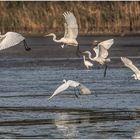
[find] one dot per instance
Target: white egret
(87, 63)
(101, 51)
(70, 83)
(11, 39)
(71, 32)
(128, 63)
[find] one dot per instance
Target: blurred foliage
(37, 17)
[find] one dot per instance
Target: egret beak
(84, 52)
(46, 35)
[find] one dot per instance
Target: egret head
(95, 43)
(64, 81)
(51, 34)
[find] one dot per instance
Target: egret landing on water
(71, 32)
(101, 51)
(11, 39)
(128, 63)
(70, 83)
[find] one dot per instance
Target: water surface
(27, 79)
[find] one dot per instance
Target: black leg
(95, 94)
(26, 46)
(78, 52)
(76, 93)
(105, 70)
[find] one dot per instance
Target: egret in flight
(11, 39)
(87, 63)
(71, 32)
(128, 63)
(101, 51)
(70, 83)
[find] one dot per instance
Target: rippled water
(27, 79)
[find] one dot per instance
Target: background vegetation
(93, 17)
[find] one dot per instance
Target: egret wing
(128, 63)
(10, 39)
(66, 30)
(73, 83)
(59, 89)
(71, 24)
(102, 52)
(84, 90)
(107, 43)
(96, 50)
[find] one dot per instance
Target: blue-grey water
(27, 79)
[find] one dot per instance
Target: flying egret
(128, 63)
(87, 63)
(71, 32)
(11, 39)
(101, 51)
(70, 83)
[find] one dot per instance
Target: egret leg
(105, 70)
(78, 52)
(26, 46)
(95, 94)
(76, 93)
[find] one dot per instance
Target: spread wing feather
(72, 26)
(128, 63)
(10, 39)
(103, 52)
(59, 89)
(107, 43)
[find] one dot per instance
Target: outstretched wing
(73, 83)
(72, 26)
(107, 43)
(84, 90)
(103, 53)
(59, 89)
(66, 35)
(102, 49)
(10, 39)
(128, 63)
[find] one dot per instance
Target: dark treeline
(39, 17)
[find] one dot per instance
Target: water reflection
(66, 129)
(137, 133)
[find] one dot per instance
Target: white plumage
(10, 39)
(70, 83)
(128, 63)
(87, 63)
(101, 52)
(71, 30)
